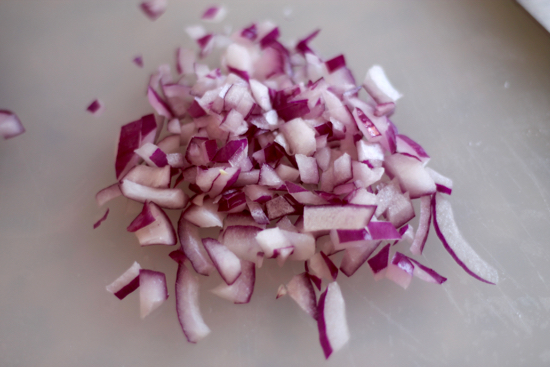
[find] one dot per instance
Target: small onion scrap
(277, 149)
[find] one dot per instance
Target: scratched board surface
(476, 86)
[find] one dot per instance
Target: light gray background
(476, 84)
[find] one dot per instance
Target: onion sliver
(152, 291)
(332, 323)
(187, 305)
(10, 125)
(456, 245)
(191, 245)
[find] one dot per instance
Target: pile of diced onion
(277, 149)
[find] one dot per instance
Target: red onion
(10, 125)
(214, 14)
(277, 149)
(102, 219)
(301, 291)
(95, 108)
(152, 291)
(187, 305)
(126, 283)
(333, 328)
(138, 60)
(154, 8)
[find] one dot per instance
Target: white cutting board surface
(476, 82)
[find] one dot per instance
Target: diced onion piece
(300, 136)
(379, 262)
(107, 194)
(301, 291)
(157, 177)
(355, 256)
(443, 184)
(158, 232)
(204, 216)
(192, 247)
(379, 87)
(126, 283)
(167, 198)
(214, 14)
(228, 265)
(271, 240)
(152, 291)
(241, 290)
(10, 125)
(400, 270)
(154, 8)
(187, 305)
(281, 291)
(332, 323)
(96, 107)
(138, 60)
(412, 176)
(426, 274)
(337, 217)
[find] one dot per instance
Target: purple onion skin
(380, 261)
(128, 288)
(321, 324)
(103, 218)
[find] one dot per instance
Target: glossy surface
(476, 86)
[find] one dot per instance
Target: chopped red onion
(355, 256)
(281, 291)
(154, 8)
(157, 232)
(400, 270)
(95, 108)
(158, 177)
(228, 265)
(268, 134)
(102, 219)
(187, 305)
(331, 321)
(143, 219)
(301, 291)
(337, 217)
(138, 60)
(152, 291)
(204, 216)
(379, 262)
(378, 86)
(241, 240)
(335, 63)
(10, 125)
(241, 290)
(167, 198)
(107, 194)
(456, 245)
(191, 245)
(126, 283)
(442, 183)
(214, 14)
